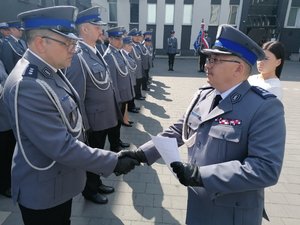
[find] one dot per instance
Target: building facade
(262, 20)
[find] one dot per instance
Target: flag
(200, 42)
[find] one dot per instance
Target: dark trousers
(202, 61)
(58, 215)
(7, 145)
(96, 139)
(137, 88)
(171, 60)
(131, 104)
(145, 80)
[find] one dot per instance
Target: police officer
(147, 62)
(235, 136)
(89, 75)
(137, 55)
(132, 66)
(172, 49)
(49, 161)
(4, 31)
(119, 71)
(7, 141)
(13, 46)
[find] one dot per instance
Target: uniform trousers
(96, 139)
(145, 80)
(7, 146)
(202, 61)
(58, 215)
(131, 104)
(137, 88)
(171, 60)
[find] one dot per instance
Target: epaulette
(31, 71)
(262, 92)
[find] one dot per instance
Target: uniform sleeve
(262, 165)
(42, 127)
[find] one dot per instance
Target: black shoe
(169, 69)
(137, 108)
(126, 124)
(96, 198)
(104, 189)
(140, 98)
(131, 122)
(146, 89)
(172, 69)
(134, 110)
(124, 144)
(117, 149)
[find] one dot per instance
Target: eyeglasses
(218, 61)
(71, 47)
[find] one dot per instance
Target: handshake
(127, 160)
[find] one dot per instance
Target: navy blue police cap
(133, 32)
(172, 32)
(59, 19)
(148, 39)
(116, 32)
(91, 15)
(3, 25)
(127, 40)
(15, 24)
(231, 41)
(148, 32)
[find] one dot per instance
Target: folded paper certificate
(167, 148)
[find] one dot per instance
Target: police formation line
(67, 93)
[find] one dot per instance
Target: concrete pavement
(151, 195)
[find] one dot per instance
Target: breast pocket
(226, 133)
(70, 109)
(98, 71)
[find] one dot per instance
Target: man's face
(5, 31)
(59, 50)
(116, 42)
(222, 71)
(17, 33)
(92, 32)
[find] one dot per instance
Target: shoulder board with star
(31, 71)
(262, 92)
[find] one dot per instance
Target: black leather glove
(126, 162)
(140, 155)
(188, 174)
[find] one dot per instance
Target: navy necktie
(215, 102)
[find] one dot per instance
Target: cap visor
(215, 51)
(99, 23)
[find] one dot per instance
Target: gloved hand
(140, 155)
(188, 174)
(126, 162)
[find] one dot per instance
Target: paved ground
(151, 195)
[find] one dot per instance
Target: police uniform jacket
(132, 68)
(121, 81)
(101, 48)
(145, 57)
(136, 54)
(172, 45)
(46, 138)
(4, 122)
(11, 52)
(95, 89)
(238, 147)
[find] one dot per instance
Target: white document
(167, 148)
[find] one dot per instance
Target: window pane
(214, 14)
(232, 14)
(292, 17)
(113, 12)
(134, 13)
(151, 13)
(187, 14)
(169, 19)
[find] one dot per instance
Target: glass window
(233, 14)
(187, 14)
(134, 13)
(214, 14)
(169, 16)
(113, 12)
(151, 19)
(292, 17)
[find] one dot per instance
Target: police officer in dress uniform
(132, 66)
(172, 49)
(89, 75)
(137, 55)
(7, 141)
(148, 35)
(236, 146)
(13, 46)
(4, 32)
(50, 162)
(101, 46)
(119, 71)
(148, 63)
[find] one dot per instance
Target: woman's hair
(277, 49)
